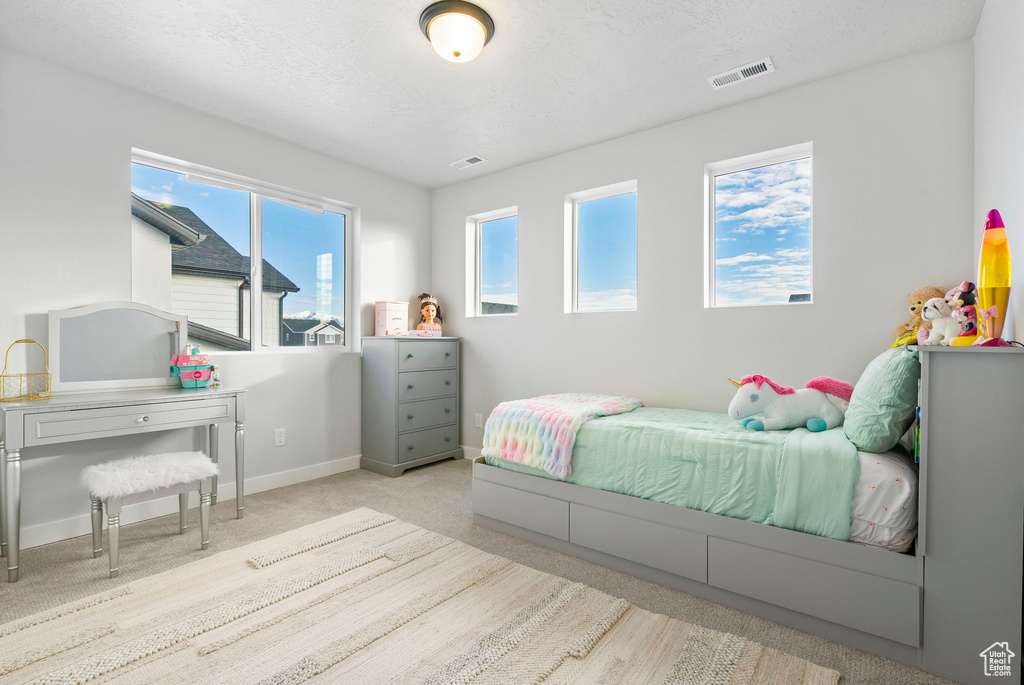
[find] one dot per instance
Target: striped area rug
(365, 598)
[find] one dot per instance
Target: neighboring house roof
(216, 337)
(214, 256)
(311, 325)
(180, 234)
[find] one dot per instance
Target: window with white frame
(493, 255)
(601, 249)
(759, 236)
(200, 238)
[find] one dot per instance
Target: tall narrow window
(498, 270)
(760, 236)
(604, 252)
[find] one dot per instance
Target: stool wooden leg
(97, 526)
(114, 533)
(204, 512)
(182, 512)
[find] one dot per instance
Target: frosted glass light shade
(457, 30)
(457, 37)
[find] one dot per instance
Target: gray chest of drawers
(410, 402)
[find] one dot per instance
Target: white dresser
(410, 411)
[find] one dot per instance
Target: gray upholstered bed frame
(969, 544)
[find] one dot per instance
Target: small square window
(311, 337)
(759, 218)
(329, 338)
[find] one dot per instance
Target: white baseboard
(53, 531)
(471, 452)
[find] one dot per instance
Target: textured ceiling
(357, 79)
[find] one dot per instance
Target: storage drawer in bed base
(880, 606)
(870, 591)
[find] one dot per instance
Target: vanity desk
(112, 395)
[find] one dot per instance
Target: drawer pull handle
(409, 447)
(447, 354)
(447, 382)
(447, 438)
(143, 419)
(447, 410)
(409, 417)
(410, 386)
(409, 356)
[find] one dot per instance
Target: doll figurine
(430, 315)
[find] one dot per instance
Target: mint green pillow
(884, 399)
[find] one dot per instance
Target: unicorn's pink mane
(758, 380)
(831, 386)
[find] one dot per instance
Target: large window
(759, 213)
(601, 252)
(194, 238)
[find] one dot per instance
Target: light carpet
(367, 598)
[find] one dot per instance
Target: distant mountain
(309, 315)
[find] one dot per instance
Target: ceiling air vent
(467, 162)
(747, 71)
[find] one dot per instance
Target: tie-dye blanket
(540, 432)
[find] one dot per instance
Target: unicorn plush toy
(821, 404)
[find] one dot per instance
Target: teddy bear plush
(915, 303)
(945, 326)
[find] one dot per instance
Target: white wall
(151, 265)
(65, 236)
(999, 136)
(893, 210)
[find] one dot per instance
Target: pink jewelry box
(392, 318)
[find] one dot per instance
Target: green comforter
(791, 478)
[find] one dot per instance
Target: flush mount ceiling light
(458, 30)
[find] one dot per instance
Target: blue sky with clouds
(763, 234)
(499, 261)
(606, 237)
(292, 237)
(606, 253)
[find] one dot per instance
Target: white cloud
(156, 195)
(621, 298)
(774, 196)
(509, 298)
(743, 258)
(765, 278)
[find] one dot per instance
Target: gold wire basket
(25, 386)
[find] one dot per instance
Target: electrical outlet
(478, 420)
(279, 437)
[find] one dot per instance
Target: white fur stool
(126, 480)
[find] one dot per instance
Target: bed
(931, 607)
(798, 527)
(705, 461)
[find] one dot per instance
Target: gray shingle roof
(180, 234)
(214, 256)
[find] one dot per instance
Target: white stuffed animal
(945, 326)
